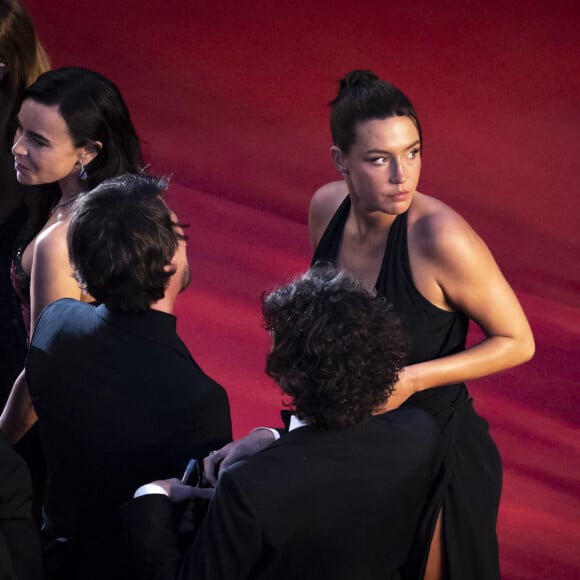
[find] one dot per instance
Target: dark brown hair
(337, 348)
(121, 238)
(363, 96)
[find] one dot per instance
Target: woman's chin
(24, 178)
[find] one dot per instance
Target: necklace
(63, 203)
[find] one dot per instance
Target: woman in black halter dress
(438, 274)
(425, 259)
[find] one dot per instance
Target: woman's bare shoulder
(433, 225)
(323, 206)
(329, 196)
(50, 258)
(51, 238)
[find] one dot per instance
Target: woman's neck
(69, 188)
(369, 223)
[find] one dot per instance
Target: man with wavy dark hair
(126, 248)
(118, 396)
(339, 496)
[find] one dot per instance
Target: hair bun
(358, 77)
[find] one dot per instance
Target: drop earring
(83, 175)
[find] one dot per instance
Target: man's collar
(296, 423)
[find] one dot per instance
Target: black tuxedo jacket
(316, 504)
(19, 548)
(120, 402)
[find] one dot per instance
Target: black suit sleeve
(227, 545)
(230, 541)
(19, 546)
(148, 522)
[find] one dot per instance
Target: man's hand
(179, 493)
(217, 461)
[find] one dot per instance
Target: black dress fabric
(469, 486)
(13, 335)
(29, 447)
(19, 547)
(21, 284)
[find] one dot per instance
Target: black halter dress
(469, 485)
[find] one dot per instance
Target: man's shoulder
(61, 313)
(63, 305)
(405, 437)
(410, 427)
(408, 418)
(408, 414)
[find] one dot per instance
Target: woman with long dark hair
(74, 131)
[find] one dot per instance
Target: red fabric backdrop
(230, 98)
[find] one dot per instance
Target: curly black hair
(337, 348)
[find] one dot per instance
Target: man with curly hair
(339, 496)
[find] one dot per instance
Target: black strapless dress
(30, 446)
(13, 335)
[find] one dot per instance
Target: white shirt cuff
(149, 489)
(273, 431)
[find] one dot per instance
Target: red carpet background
(230, 98)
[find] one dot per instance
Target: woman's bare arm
(469, 280)
(18, 415)
(51, 279)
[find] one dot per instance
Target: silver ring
(212, 453)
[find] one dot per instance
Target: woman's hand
(402, 390)
(217, 461)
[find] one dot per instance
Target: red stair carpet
(230, 99)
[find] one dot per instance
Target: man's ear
(171, 266)
(339, 160)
